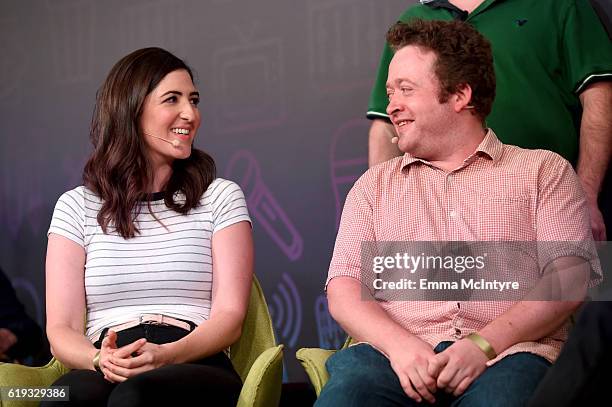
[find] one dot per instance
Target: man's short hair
(463, 56)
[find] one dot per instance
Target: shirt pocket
(504, 218)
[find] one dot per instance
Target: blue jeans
(362, 376)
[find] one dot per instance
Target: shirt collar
(441, 1)
(490, 146)
(456, 12)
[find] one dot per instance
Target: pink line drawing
(244, 169)
(345, 37)
(347, 162)
(286, 310)
(331, 336)
(251, 70)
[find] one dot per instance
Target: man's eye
(406, 90)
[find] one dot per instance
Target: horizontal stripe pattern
(165, 269)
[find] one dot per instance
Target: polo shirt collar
(456, 12)
(489, 146)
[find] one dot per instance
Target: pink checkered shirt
(500, 193)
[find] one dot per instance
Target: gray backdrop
(284, 88)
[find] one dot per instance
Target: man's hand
(597, 222)
(7, 340)
(380, 147)
(410, 362)
(457, 366)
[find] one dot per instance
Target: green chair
(313, 361)
(256, 357)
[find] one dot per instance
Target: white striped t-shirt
(166, 269)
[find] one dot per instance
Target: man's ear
(462, 98)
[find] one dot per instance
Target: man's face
(420, 120)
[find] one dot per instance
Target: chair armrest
(262, 386)
(13, 375)
(313, 360)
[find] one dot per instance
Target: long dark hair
(118, 170)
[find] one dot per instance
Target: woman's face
(170, 118)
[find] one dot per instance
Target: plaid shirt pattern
(500, 193)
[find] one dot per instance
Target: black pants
(211, 381)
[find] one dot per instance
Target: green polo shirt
(545, 53)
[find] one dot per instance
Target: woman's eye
(171, 99)
(195, 101)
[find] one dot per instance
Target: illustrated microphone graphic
(173, 143)
(244, 168)
(347, 160)
(331, 336)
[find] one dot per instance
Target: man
(21, 339)
(553, 62)
(455, 182)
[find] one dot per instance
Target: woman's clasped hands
(119, 364)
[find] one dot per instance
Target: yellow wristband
(483, 344)
(96, 362)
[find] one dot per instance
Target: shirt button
(453, 213)
(459, 322)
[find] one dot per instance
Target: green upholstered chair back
(313, 361)
(257, 333)
(255, 356)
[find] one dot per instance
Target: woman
(154, 252)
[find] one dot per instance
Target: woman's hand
(109, 352)
(149, 356)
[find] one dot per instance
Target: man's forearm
(362, 319)
(595, 137)
(380, 147)
(538, 316)
(526, 321)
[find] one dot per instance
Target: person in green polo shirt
(553, 63)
